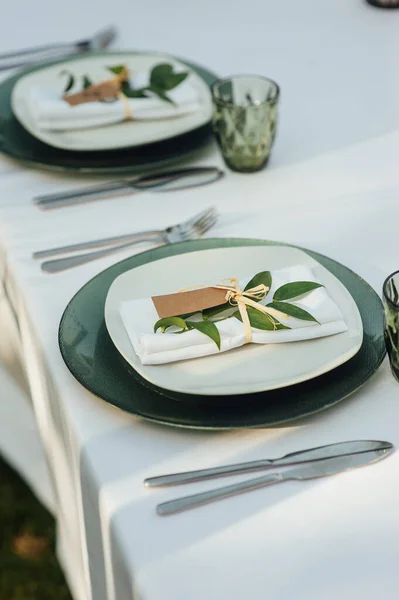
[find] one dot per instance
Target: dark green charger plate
(18, 143)
(92, 358)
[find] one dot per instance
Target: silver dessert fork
(191, 229)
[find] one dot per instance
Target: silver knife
(163, 181)
(36, 54)
(294, 458)
(322, 468)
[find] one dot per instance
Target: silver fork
(187, 230)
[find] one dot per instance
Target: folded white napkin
(50, 111)
(139, 317)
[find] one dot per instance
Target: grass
(28, 567)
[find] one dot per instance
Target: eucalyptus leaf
(264, 277)
(208, 328)
(293, 311)
(132, 93)
(159, 92)
(259, 320)
(87, 82)
(70, 81)
(164, 78)
(167, 322)
(117, 69)
(210, 313)
(175, 80)
(295, 289)
(188, 315)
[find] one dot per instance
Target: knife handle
(164, 181)
(188, 502)
(188, 177)
(202, 474)
(134, 238)
(27, 58)
(75, 196)
(62, 264)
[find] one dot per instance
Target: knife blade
(35, 54)
(322, 468)
(302, 456)
(163, 181)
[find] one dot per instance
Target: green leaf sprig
(163, 79)
(206, 327)
(206, 319)
(70, 81)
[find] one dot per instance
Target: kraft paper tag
(182, 303)
(99, 91)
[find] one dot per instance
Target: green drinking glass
(245, 120)
(391, 308)
(384, 3)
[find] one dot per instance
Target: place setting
(262, 349)
(101, 113)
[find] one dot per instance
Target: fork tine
(201, 223)
(198, 217)
(202, 230)
(209, 213)
(193, 233)
(206, 224)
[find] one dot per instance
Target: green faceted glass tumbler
(245, 120)
(391, 308)
(384, 3)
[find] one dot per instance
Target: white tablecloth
(333, 186)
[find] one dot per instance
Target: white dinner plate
(249, 369)
(120, 135)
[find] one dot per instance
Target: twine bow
(244, 299)
(119, 79)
